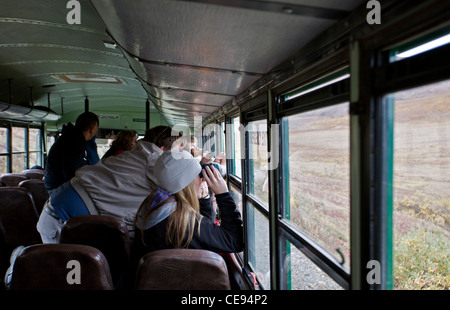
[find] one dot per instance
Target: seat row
(32, 180)
(18, 219)
(13, 179)
(101, 245)
(81, 267)
(20, 207)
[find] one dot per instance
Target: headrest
(61, 267)
(182, 269)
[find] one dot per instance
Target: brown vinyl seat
(61, 267)
(34, 173)
(13, 179)
(182, 269)
(106, 233)
(38, 191)
(18, 219)
(4, 256)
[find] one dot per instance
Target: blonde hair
(181, 222)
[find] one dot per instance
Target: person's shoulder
(109, 152)
(148, 147)
(118, 152)
(71, 135)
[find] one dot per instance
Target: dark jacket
(226, 238)
(113, 151)
(66, 155)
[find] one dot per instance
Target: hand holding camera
(214, 179)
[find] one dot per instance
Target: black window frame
(9, 125)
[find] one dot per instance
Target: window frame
(326, 96)
(364, 51)
(390, 77)
(247, 197)
(372, 136)
(9, 154)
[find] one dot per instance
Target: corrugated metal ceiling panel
(202, 48)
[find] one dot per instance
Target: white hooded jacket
(117, 185)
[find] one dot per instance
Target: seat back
(106, 233)
(61, 267)
(34, 173)
(182, 269)
(13, 179)
(4, 255)
(38, 191)
(19, 217)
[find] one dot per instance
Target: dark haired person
(70, 150)
(114, 186)
(124, 141)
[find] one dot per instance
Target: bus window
(213, 139)
(258, 245)
(221, 138)
(258, 160)
(237, 196)
(3, 164)
(318, 159)
(303, 274)
(3, 150)
(34, 142)
(103, 145)
(51, 139)
(421, 45)
(19, 152)
(206, 138)
(236, 147)
(421, 191)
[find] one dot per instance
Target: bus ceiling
(189, 58)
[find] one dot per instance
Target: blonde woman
(173, 216)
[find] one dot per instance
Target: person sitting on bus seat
(69, 152)
(114, 186)
(170, 217)
(124, 141)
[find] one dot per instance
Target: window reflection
(258, 160)
(319, 176)
(236, 145)
(303, 274)
(258, 245)
(421, 187)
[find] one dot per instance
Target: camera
(209, 165)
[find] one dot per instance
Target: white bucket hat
(176, 169)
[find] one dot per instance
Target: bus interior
(333, 115)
